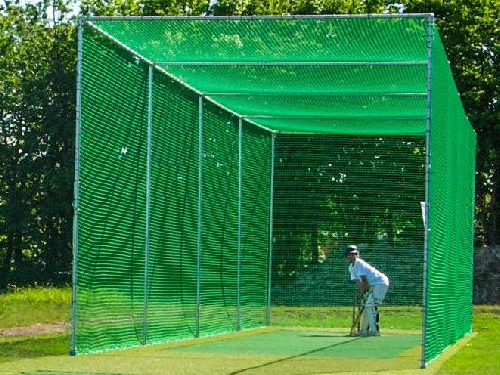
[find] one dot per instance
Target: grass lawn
(28, 306)
(37, 306)
(392, 317)
(482, 354)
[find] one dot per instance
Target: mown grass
(21, 307)
(393, 317)
(29, 306)
(13, 348)
(481, 355)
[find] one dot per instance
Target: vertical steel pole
(270, 255)
(76, 193)
(240, 195)
(200, 210)
(148, 201)
(428, 171)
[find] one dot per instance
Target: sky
(75, 6)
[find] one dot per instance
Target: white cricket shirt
(361, 268)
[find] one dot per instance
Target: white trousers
(370, 318)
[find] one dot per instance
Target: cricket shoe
(367, 333)
(362, 333)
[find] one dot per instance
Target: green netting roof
(296, 75)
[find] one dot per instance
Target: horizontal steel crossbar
(365, 117)
(291, 63)
(315, 94)
(264, 17)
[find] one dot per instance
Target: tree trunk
(5, 267)
(493, 222)
(314, 242)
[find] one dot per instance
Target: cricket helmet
(351, 249)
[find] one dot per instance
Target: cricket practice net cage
(223, 163)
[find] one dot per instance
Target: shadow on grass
(293, 356)
(16, 348)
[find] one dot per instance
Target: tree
(36, 142)
(470, 30)
(37, 104)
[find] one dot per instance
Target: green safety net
(282, 39)
(171, 308)
(281, 71)
(112, 192)
(451, 213)
(173, 246)
(342, 190)
(120, 301)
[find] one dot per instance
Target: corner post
(148, 201)
(428, 171)
(240, 197)
(76, 186)
(200, 211)
(270, 255)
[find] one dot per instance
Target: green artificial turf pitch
(285, 343)
(266, 351)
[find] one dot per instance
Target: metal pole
(240, 195)
(148, 199)
(428, 171)
(326, 94)
(200, 210)
(356, 117)
(271, 208)
(76, 196)
(261, 17)
(291, 63)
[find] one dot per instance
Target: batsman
(373, 286)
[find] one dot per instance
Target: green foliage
(357, 189)
(37, 60)
(37, 101)
(470, 30)
(278, 7)
(143, 7)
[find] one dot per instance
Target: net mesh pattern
(347, 101)
(341, 190)
(452, 160)
(204, 53)
(273, 40)
(255, 208)
(220, 220)
(112, 197)
(304, 79)
(173, 212)
(114, 309)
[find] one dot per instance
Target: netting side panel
(449, 298)
(219, 221)
(332, 191)
(111, 242)
(257, 155)
(173, 212)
